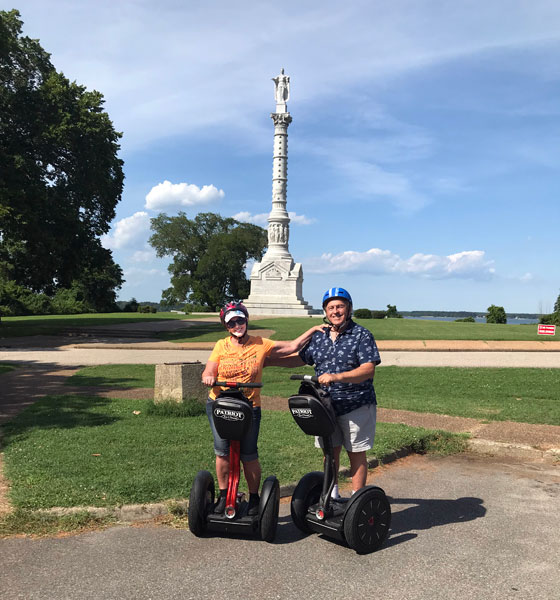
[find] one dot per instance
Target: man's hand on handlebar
(328, 378)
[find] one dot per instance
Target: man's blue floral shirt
(352, 348)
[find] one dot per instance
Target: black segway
(361, 521)
(232, 414)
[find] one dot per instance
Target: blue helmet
(337, 292)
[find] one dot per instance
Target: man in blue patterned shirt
(345, 356)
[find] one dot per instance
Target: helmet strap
(342, 327)
(240, 338)
(338, 329)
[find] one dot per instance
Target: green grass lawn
(86, 451)
(52, 324)
(522, 395)
(284, 328)
(121, 376)
(383, 329)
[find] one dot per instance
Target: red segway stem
(233, 480)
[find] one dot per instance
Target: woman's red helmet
(231, 307)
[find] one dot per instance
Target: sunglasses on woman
(235, 322)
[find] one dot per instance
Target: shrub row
(15, 300)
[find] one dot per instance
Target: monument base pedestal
(291, 309)
(276, 290)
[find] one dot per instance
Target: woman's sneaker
(220, 506)
(253, 508)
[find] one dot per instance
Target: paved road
(66, 355)
(463, 527)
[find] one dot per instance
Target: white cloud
(137, 277)
(361, 160)
(142, 256)
(246, 217)
(370, 180)
(179, 195)
(127, 231)
(463, 265)
(262, 218)
(300, 219)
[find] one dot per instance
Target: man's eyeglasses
(235, 322)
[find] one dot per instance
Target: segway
(232, 415)
(362, 521)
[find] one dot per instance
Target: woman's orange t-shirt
(243, 364)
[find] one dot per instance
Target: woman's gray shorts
(249, 449)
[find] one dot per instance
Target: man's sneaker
(253, 508)
(340, 499)
(220, 505)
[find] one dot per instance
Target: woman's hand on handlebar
(208, 380)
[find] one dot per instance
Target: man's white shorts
(355, 430)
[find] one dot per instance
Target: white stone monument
(277, 281)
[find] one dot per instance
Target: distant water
(477, 320)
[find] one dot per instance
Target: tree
(496, 314)
(60, 177)
(131, 306)
(392, 312)
(209, 256)
(554, 317)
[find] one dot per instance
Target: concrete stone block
(179, 382)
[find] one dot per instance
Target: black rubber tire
(367, 521)
(307, 492)
(268, 520)
(201, 499)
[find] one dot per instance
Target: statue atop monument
(282, 89)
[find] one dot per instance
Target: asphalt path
(69, 356)
(463, 527)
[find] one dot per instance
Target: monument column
(278, 220)
(276, 282)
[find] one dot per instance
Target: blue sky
(423, 152)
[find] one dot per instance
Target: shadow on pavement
(425, 514)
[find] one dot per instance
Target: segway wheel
(268, 517)
(307, 493)
(200, 500)
(367, 521)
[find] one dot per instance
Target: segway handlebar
(237, 384)
(312, 378)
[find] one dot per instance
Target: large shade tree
(60, 175)
(209, 256)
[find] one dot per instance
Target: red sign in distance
(546, 330)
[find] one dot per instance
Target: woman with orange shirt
(241, 358)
